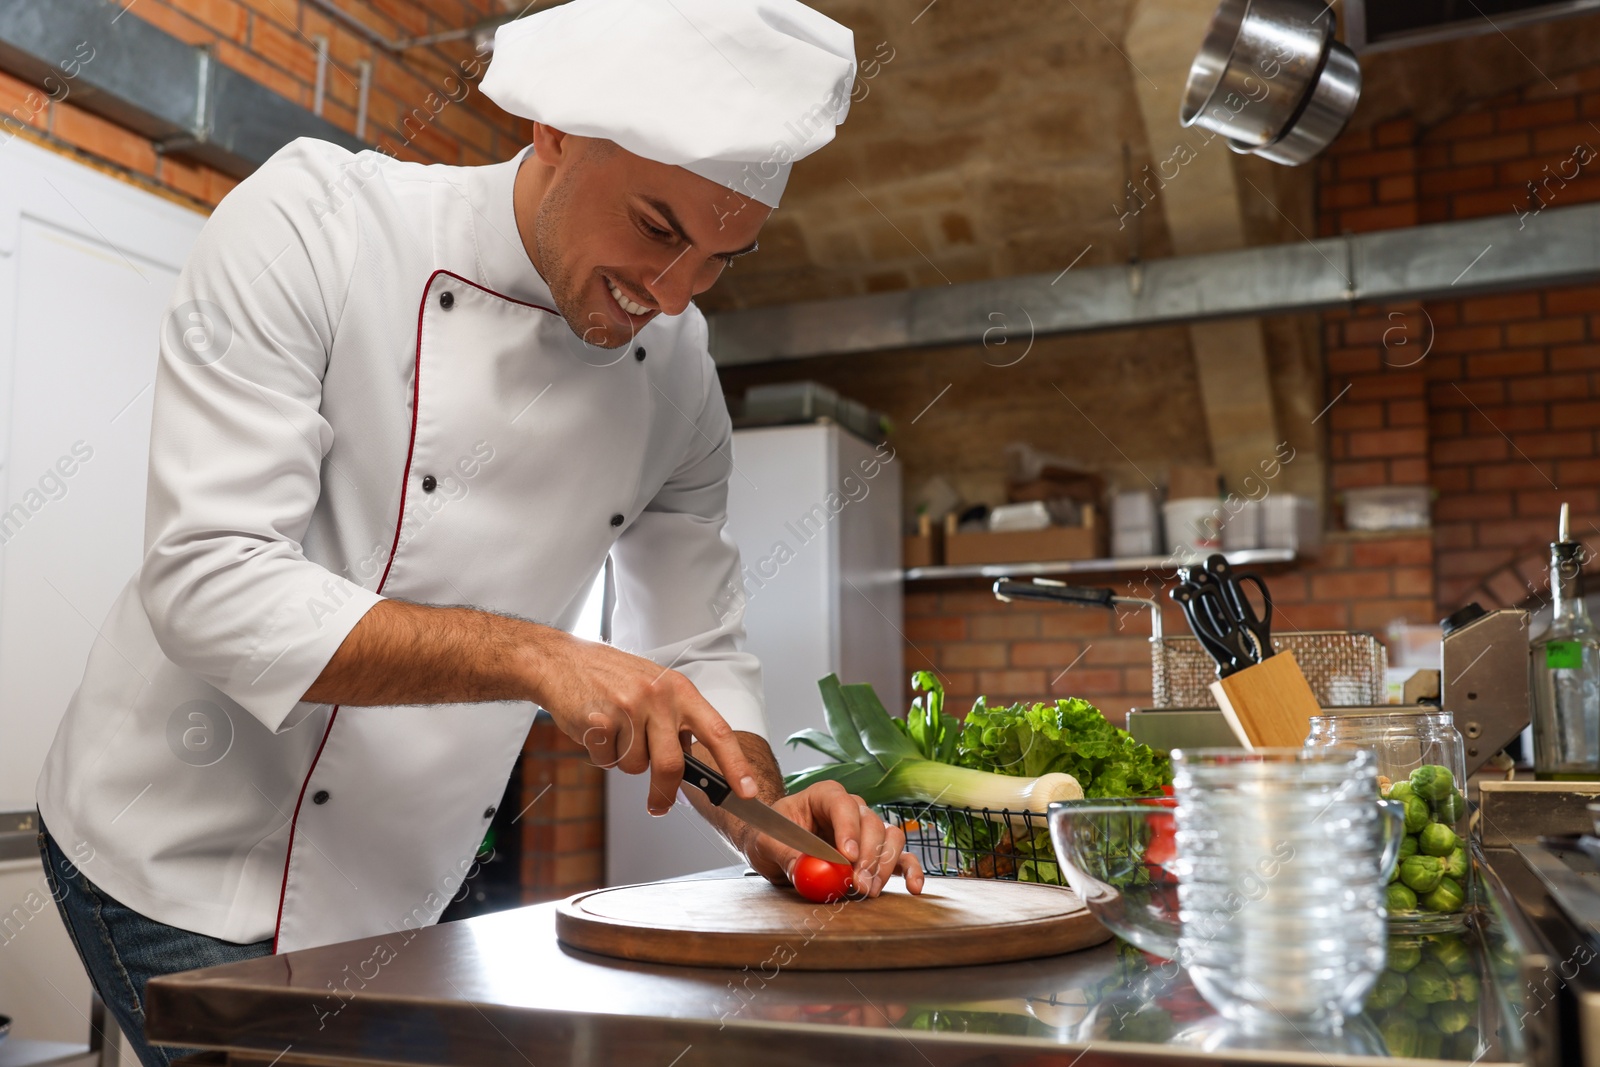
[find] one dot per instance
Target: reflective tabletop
(500, 989)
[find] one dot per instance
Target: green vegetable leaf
(840, 724)
(874, 727)
(1070, 737)
(857, 778)
(821, 742)
(934, 732)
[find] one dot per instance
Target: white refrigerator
(815, 512)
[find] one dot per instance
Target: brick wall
(563, 817)
(1420, 396)
(1501, 415)
(1026, 650)
(983, 140)
(410, 109)
(1493, 401)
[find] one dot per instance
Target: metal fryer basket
(1345, 668)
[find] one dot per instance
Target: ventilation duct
(112, 63)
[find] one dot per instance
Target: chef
(403, 415)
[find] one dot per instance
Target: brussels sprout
(1400, 899)
(1413, 1008)
(1417, 815)
(1404, 956)
(1429, 983)
(1450, 808)
(1452, 951)
(1505, 957)
(1455, 864)
(1422, 874)
(1468, 987)
(1464, 1046)
(1400, 1037)
(1447, 897)
(1386, 992)
(1432, 782)
(1408, 846)
(1437, 839)
(1430, 1042)
(1400, 791)
(1450, 1017)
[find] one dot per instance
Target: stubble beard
(565, 288)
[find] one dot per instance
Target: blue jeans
(122, 950)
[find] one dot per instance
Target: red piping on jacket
(394, 546)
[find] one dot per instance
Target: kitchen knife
(757, 814)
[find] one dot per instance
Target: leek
(886, 762)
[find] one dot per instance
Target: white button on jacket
(364, 392)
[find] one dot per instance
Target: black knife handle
(708, 781)
(1189, 596)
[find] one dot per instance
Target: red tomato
(1161, 849)
(1163, 846)
(820, 881)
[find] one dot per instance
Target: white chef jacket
(363, 391)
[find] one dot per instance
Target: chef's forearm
(769, 783)
(405, 653)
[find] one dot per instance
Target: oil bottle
(1565, 674)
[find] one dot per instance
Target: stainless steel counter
(500, 990)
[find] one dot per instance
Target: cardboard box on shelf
(1023, 546)
(920, 550)
(925, 548)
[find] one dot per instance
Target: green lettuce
(1070, 737)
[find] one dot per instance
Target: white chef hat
(733, 90)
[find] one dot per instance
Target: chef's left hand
(876, 851)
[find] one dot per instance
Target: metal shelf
(1126, 564)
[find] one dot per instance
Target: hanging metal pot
(1270, 77)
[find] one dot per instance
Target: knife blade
(755, 813)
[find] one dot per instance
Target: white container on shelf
(1290, 521)
(1242, 529)
(1387, 507)
(1032, 515)
(1135, 524)
(1194, 524)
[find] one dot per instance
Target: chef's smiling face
(621, 239)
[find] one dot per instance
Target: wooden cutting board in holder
(748, 922)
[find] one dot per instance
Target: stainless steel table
(500, 990)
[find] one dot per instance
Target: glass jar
(1421, 763)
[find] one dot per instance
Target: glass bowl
(1116, 856)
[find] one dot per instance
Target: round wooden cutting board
(748, 922)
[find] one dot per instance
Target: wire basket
(978, 842)
(1345, 668)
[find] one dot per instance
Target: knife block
(1270, 704)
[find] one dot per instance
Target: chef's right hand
(633, 714)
